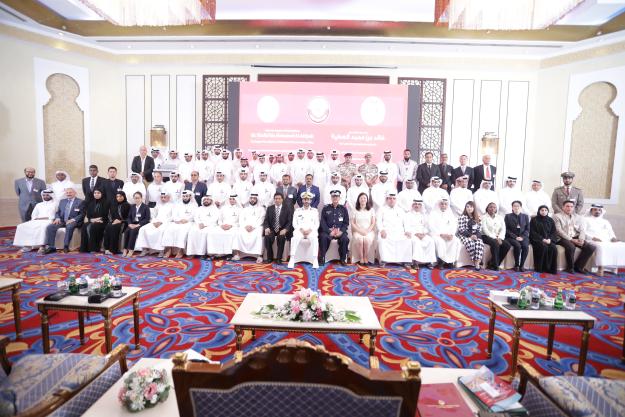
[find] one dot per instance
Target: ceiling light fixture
(154, 12)
(501, 14)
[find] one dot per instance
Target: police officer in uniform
(333, 225)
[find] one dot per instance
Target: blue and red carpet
(438, 317)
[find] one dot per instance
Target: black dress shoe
(48, 251)
(521, 269)
(430, 265)
(517, 269)
(581, 271)
(277, 261)
(65, 249)
(569, 271)
(267, 261)
(322, 260)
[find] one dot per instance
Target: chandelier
(501, 14)
(154, 12)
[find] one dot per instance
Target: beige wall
(546, 116)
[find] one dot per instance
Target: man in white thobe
(220, 189)
(134, 185)
(174, 187)
(32, 234)
(173, 161)
(154, 190)
(186, 167)
(333, 185)
(277, 170)
(433, 194)
(408, 195)
(355, 190)
(416, 225)
(204, 223)
(158, 158)
(221, 241)
(299, 168)
(380, 189)
(243, 187)
(508, 194)
(484, 196)
(535, 198)
(226, 166)
(63, 181)
(264, 189)
(390, 168)
(393, 244)
(261, 166)
(175, 237)
(150, 236)
(334, 162)
(205, 167)
(321, 172)
(249, 240)
(610, 251)
(216, 154)
(443, 226)
(305, 230)
(460, 195)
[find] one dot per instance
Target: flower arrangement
(307, 305)
(144, 388)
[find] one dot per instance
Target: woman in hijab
(96, 219)
(543, 239)
(118, 213)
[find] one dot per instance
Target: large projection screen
(285, 116)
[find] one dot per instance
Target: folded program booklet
(491, 392)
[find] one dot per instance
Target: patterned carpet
(439, 317)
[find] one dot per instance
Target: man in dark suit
(112, 185)
(333, 225)
(70, 214)
(143, 164)
(518, 234)
(288, 191)
(28, 190)
(91, 182)
(447, 173)
(308, 187)
(426, 171)
(463, 170)
(486, 171)
(278, 223)
(197, 187)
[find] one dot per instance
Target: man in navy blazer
(28, 189)
(70, 214)
(197, 187)
(310, 188)
(486, 171)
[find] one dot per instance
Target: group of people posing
(218, 204)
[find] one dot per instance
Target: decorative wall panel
(215, 108)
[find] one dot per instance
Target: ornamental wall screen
(215, 108)
(431, 126)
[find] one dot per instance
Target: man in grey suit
(288, 191)
(70, 214)
(28, 190)
(567, 192)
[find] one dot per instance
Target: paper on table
(193, 355)
(497, 295)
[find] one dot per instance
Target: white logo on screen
(372, 111)
(268, 109)
(318, 109)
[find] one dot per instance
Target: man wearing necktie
(89, 183)
(69, 215)
(288, 191)
(277, 226)
(484, 172)
(567, 192)
(426, 171)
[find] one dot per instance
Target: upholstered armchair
(570, 396)
(293, 378)
(59, 384)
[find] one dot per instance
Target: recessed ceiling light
(129, 46)
(256, 46)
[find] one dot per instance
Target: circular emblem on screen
(268, 109)
(318, 109)
(372, 111)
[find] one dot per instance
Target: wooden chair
(294, 378)
(38, 385)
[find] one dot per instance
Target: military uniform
(333, 217)
(347, 170)
(559, 196)
(370, 172)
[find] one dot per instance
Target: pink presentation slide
(360, 118)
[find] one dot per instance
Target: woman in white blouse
(363, 235)
(494, 235)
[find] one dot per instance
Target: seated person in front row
(333, 226)
(221, 241)
(305, 226)
(517, 234)
(543, 238)
(96, 219)
(443, 226)
(494, 235)
(571, 231)
(249, 240)
(205, 223)
(118, 213)
(175, 236)
(416, 225)
(151, 235)
(69, 215)
(277, 225)
(610, 252)
(470, 233)
(394, 242)
(32, 234)
(138, 216)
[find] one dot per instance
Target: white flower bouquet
(144, 388)
(307, 305)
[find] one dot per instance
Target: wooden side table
(549, 317)
(81, 305)
(14, 285)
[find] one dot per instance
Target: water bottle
(535, 299)
(96, 287)
(83, 285)
(106, 285)
(558, 304)
(117, 287)
(523, 298)
(73, 286)
(571, 300)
